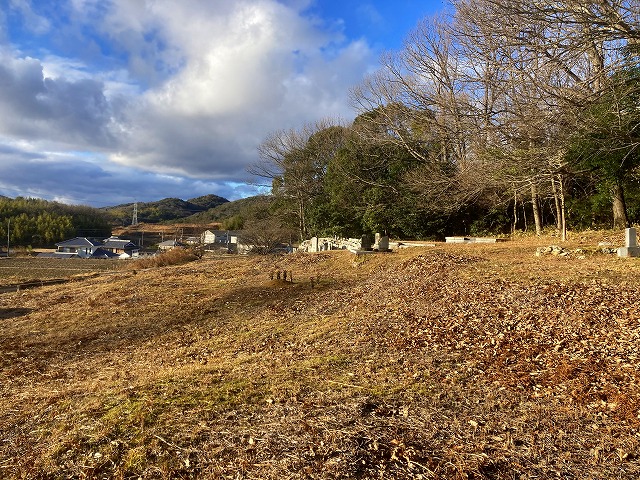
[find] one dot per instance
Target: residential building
(124, 248)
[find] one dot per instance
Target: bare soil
(459, 361)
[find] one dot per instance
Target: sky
(104, 102)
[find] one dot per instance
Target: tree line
(501, 115)
(36, 222)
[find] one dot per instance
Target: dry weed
(456, 362)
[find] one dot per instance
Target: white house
(220, 238)
(80, 246)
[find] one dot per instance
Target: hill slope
(242, 207)
(456, 362)
(168, 209)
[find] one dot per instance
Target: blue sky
(113, 101)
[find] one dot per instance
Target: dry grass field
(455, 361)
(17, 270)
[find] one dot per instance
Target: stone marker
(631, 248)
(383, 244)
(314, 244)
(365, 242)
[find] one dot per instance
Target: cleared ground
(459, 361)
(15, 270)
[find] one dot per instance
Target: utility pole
(8, 232)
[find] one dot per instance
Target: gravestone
(314, 244)
(383, 244)
(630, 248)
(365, 242)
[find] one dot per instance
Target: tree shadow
(6, 313)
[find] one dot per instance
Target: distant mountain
(237, 208)
(208, 201)
(166, 210)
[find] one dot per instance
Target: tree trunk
(301, 220)
(556, 198)
(515, 210)
(536, 209)
(563, 217)
(620, 219)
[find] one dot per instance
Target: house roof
(58, 255)
(222, 232)
(170, 243)
(102, 253)
(121, 243)
(79, 242)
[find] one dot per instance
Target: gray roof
(79, 242)
(115, 242)
(170, 243)
(102, 253)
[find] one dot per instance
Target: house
(169, 245)
(220, 239)
(123, 248)
(209, 237)
(81, 247)
(224, 237)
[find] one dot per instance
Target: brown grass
(175, 256)
(460, 361)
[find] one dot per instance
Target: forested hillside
(168, 209)
(506, 115)
(38, 222)
(232, 214)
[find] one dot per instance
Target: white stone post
(630, 248)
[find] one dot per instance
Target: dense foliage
(453, 136)
(38, 222)
(231, 214)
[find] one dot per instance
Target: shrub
(176, 256)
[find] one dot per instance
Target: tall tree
(567, 52)
(296, 161)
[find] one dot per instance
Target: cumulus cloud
(57, 111)
(181, 90)
(247, 69)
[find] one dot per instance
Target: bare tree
(565, 52)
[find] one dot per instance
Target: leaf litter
(454, 362)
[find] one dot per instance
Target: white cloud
(189, 90)
(36, 23)
(250, 69)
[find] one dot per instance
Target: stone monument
(631, 248)
(365, 243)
(383, 244)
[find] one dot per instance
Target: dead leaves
(415, 365)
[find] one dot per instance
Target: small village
(218, 241)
